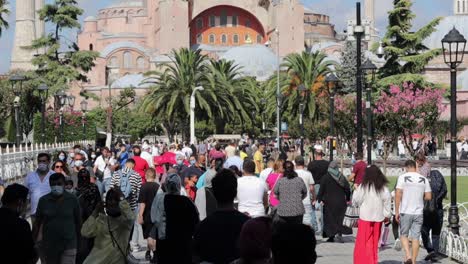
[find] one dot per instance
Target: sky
(339, 11)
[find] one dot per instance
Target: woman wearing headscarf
(175, 218)
(88, 197)
(205, 199)
(334, 194)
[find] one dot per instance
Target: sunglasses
(58, 167)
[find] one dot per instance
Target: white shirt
(306, 176)
(148, 157)
(373, 206)
(264, 174)
(401, 148)
(155, 151)
(250, 192)
(101, 165)
(230, 151)
(415, 145)
(37, 188)
(187, 152)
(414, 185)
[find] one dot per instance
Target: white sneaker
(397, 245)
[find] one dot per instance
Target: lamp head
(453, 46)
(380, 51)
(84, 106)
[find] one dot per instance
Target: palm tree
(301, 82)
(169, 99)
(3, 12)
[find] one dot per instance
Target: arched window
(141, 63)
(199, 23)
(224, 39)
(199, 38)
(91, 46)
(129, 17)
(235, 39)
(259, 38)
(114, 62)
(234, 21)
(212, 21)
(247, 38)
(127, 57)
(223, 19)
(212, 39)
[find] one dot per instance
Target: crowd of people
(239, 203)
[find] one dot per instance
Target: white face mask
(93, 156)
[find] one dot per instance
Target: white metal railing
(461, 171)
(15, 163)
(456, 246)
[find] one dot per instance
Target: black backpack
(439, 191)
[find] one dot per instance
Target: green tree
(59, 64)
(347, 70)
(3, 12)
(304, 69)
(405, 52)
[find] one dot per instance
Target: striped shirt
(135, 183)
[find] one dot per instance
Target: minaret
(25, 33)
(40, 25)
(460, 7)
(369, 15)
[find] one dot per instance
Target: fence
(456, 246)
(15, 163)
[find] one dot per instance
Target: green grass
(462, 188)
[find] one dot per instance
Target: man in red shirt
(359, 169)
(141, 165)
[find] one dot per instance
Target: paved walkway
(342, 253)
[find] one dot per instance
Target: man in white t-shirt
(306, 176)
(269, 169)
(411, 190)
(251, 192)
(105, 164)
(187, 150)
(230, 149)
(146, 155)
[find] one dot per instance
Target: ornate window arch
(212, 39)
(113, 61)
(235, 39)
(224, 39)
(141, 62)
(199, 38)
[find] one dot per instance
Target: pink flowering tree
(404, 111)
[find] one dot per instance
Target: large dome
(459, 22)
(254, 60)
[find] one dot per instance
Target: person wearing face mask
(61, 167)
(141, 165)
(92, 159)
(21, 249)
(38, 182)
(110, 226)
(62, 156)
(58, 222)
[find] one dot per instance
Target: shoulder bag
(130, 259)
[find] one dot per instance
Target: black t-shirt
(216, 237)
(147, 193)
(318, 168)
(16, 243)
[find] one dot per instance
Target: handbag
(351, 216)
(130, 259)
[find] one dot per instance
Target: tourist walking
(145, 200)
(374, 201)
(37, 182)
(258, 158)
(16, 241)
(359, 169)
(271, 181)
(319, 168)
(110, 226)
(255, 242)
(251, 192)
(61, 167)
(433, 215)
(141, 165)
(334, 194)
(57, 226)
(290, 191)
(309, 200)
(88, 198)
(205, 200)
(424, 168)
(104, 166)
(411, 191)
(174, 217)
(216, 238)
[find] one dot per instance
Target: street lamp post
(278, 92)
(369, 67)
(61, 100)
(453, 45)
(263, 102)
(84, 108)
(301, 123)
(43, 93)
(332, 81)
(17, 78)
(358, 32)
(192, 113)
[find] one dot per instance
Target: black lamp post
(263, 103)
(302, 89)
(453, 45)
(369, 68)
(332, 81)
(61, 98)
(84, 108)
(43, 93)
(359, 34)
(14, 79)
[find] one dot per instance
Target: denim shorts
(410, 225)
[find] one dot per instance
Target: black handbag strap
(114, 241)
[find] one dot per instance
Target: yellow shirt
(243, 155)
(258, 159)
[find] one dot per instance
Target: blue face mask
(56, 190)
(61, 157)
(192, 162)
(180, 162)
(43, 167)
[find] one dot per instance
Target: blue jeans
(103, 185)
(317, 225)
